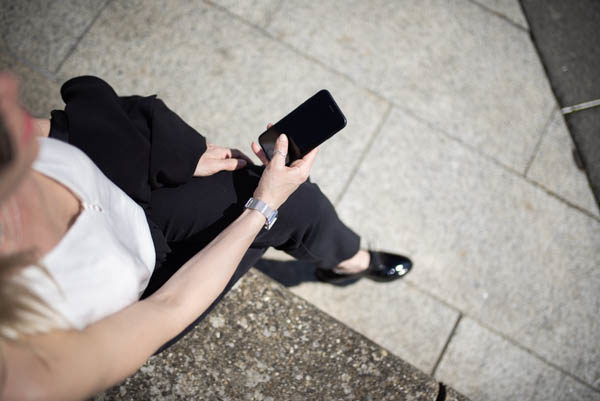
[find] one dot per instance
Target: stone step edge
(263, 342)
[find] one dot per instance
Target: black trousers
(307, 228)
(151, 153)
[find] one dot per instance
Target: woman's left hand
(217, 158)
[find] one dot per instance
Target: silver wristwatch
(270, 214)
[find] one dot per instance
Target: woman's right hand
(278, 181)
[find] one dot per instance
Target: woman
(126, 259)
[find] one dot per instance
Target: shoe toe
(383, 267)
(388, 266)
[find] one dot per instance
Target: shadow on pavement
(291, 273)
(288, 273)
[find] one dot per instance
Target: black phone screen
(307, 126)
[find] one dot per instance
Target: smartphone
(307, 126)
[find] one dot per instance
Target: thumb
(280, 151)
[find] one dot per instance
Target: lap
(204, 206)
(201, 208)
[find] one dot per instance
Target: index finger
(238, 154)
(260, 153)
(310, 156)
(307, 161)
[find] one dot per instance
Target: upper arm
(78, 364)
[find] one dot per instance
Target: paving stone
(258, 12)
(567, 36)
(484, 366)
(450, 62)
(222, 76)
(555, 168)
(263, 343)
(43, 32)
(397, 316)
(510, 9)
(38, 94)
(585, 130)
(400, 318)
(484, 240)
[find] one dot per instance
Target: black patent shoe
(383, 267)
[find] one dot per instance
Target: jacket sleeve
(137, 141)
(175, 147)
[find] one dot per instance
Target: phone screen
(307, 126)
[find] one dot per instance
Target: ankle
(357, 263)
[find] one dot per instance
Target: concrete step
(262, 342)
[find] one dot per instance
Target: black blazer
(137, 141)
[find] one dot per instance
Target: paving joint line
(502, 16)
(538, 144)
(502, 335)
(534, 354)
(288, 46)
(270, 17)
(410, 112)
(429, 124)
(83, 34)
(415, 286)
(446, 344)
(363, 154)
(563, 200)
(580, 106)
(456, 139)
(498, 163)
(536, 48)
(339, 321)
(26, 63)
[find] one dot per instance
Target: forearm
(192, 289)
(107, 351)
(82, 362)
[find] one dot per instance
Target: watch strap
(264, 209)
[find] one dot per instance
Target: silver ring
(280, 152)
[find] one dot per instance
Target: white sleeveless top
(105, 260)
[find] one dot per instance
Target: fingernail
(283, 137)
(242, 162)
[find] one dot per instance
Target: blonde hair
(21, 310)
